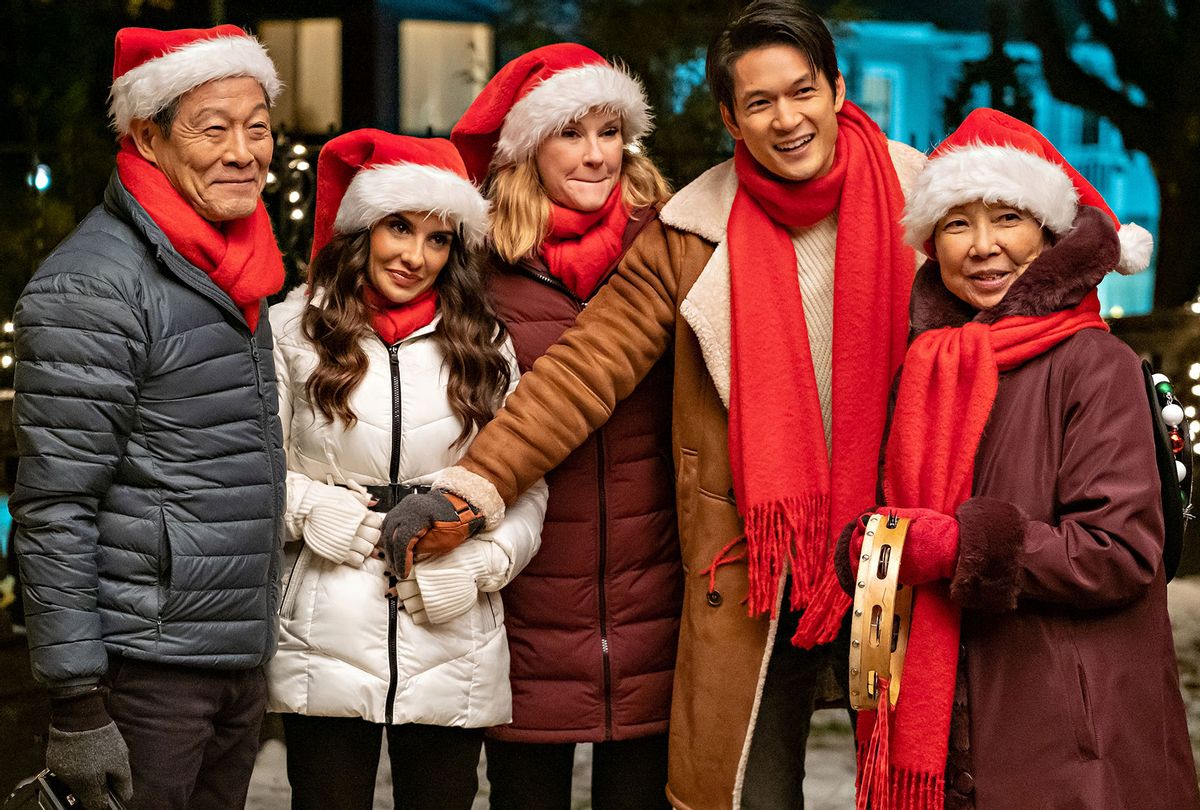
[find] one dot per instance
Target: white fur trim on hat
(145, 90)
(991, 174)
(568, 96)
(381, 190)
(1136, 246)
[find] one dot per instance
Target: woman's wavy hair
(521, 207)
(469, 333)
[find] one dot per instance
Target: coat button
(964, 783)
(715, 599)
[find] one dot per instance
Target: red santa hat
(366, 174)
(996, 158)
(152, 68)
(539, 93)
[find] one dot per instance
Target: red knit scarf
(240, 256)
(787, 490)
(393, 322)
(582, 246)
(945, 396)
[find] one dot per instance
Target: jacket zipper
(393, 473)
(602, 565)
(255, 358)
(554, 283)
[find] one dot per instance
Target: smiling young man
(780, 282)
(150, 487)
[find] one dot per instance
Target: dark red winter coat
(593, 620)
(1068, 690)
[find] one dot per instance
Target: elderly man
(151, 478)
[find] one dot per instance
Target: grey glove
(85, 749)
(438, 521)
(89, 762)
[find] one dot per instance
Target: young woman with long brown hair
(389, 360)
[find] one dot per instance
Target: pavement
(829, 780)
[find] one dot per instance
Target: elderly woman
(592, 621)
(1021, 447)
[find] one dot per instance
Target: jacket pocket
(291, 585)
(165, 566)
(1079, 703)
(688, 487)
(495, 611)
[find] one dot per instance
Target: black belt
(388, 495)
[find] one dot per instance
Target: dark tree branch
(1072, 84)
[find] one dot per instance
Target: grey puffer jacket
(150, 489)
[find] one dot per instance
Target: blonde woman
(593, 619)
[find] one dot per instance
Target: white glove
(338, 525)
(410, 594)
(446, 585)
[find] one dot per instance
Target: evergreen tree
(998, 71)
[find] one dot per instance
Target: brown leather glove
(434, 521)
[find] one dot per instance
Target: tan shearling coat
(670, 294)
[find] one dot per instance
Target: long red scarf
(240, 256)
(787, 489)
(582, 246)
(393, 322)
(946, 392)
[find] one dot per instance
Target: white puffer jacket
(344, 650)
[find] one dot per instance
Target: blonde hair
(521, 207)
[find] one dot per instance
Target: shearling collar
(702, 207)
(1056, 280)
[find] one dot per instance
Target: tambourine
(882, 614)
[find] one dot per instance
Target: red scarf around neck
(582, 246)
(946, 392)
(393, 322)
(788, 490)
(240, 256)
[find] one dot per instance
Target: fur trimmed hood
(1058, 279)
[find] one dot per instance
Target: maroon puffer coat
(592, 621)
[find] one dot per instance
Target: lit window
(308, 56)
(879, 96)
(443, 66)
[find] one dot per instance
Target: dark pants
(192, 733)
(626, 774)
(775, 768)
(331, 763)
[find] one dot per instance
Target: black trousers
(331, 763)
(626, 774)
(192, 733)
(775, 768)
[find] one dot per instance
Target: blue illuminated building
(901, 73)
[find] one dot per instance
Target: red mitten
(931, 547)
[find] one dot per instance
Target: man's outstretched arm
(570, 391)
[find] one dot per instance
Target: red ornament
(1176, 442)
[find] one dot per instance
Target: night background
(1110, 82)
